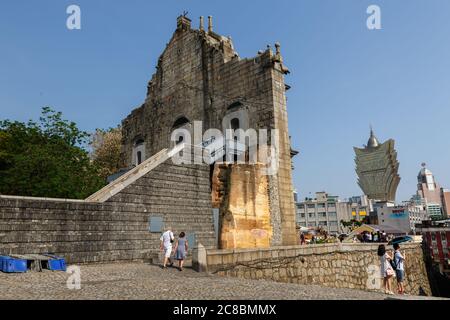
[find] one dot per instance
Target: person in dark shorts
(181, 248)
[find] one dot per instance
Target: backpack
(394, 263)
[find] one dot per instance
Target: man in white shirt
(167, 239)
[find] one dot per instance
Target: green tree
(351, 224)
(46, 159)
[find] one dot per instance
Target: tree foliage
(46, 159)
(352, 223)
(106, 148)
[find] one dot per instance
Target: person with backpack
(386, 269)
(399, 267)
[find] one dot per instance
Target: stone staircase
(134, 174)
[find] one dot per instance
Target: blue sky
(344, 76)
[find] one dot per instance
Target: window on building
(311, 206)
(138, 152)
(235, 124)
(436, 251)
(312, 215)
(333, 223)
(181, 121)
(445, 251)
(302, 215)
(311, 224)
(332, 215)
(321, 205)
(323, 224)
(322, 215)
(235, 105)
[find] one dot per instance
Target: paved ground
(142, 282)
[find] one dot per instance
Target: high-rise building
(377, 169)
(429, 190)
(445, 196)
(436, 238)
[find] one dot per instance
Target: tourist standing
(386, 269)
(302, 239)
(365, 237)
(399, 260)
(181, 248)
(167, 239)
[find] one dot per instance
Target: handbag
(390, 272)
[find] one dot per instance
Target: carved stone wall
(200, 77)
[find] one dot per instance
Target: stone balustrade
(353, 265)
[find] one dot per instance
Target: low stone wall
(353, 266)
(116, 230)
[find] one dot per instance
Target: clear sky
(344, 76)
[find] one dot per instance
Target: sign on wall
(155, 224)
(399, 214)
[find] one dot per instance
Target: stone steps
(131, 176)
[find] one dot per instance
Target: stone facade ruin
(200, 78)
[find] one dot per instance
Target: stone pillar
(210, 24)
(201, 28)
(199, 261)
(245, 213)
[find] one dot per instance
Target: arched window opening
(234, 105)
(138, 151)
(235, 124)
(180, 122)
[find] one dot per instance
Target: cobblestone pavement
(147, 282)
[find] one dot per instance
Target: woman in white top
(386, 269)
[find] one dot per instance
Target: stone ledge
(40, 199)
(311, 249)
